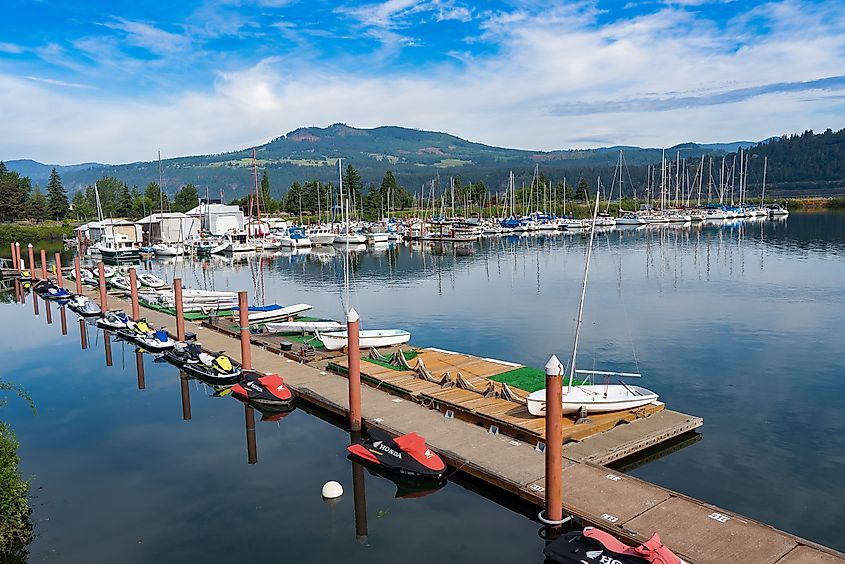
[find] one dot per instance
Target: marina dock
(479, 432)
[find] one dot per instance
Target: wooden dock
(623, 505)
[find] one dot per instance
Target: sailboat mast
(763, 193)
(583, 294)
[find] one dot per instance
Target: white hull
(290, 242)
(374, 238)
(336, 340)
(321, 238)
(303, 326)
(239, 248)
(288, 311)
(352, 239)
(595, 398)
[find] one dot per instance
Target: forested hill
(806, 163)
(414, 156)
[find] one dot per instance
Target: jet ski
(25, 275)
(214, 369)
(406, 455)
(146, 337)
(84, 306)
(595, 546)
(265, 392)
(113, 321)
(50, 291)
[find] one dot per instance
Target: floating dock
(475, 433)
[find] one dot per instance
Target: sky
(115, 81)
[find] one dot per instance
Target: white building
(169, 227)
(216, 219)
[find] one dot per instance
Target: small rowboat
(336, 340)
(304, 326)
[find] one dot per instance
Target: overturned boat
(406, 455)
(336, 340)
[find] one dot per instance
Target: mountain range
(414, 156)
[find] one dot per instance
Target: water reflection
(251, 447)
(139, 369)
(83, 333)
(63, 316)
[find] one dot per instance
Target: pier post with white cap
(133, 292)
(554, 442)
(101, 271)
(353, 352)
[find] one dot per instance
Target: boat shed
(216, 219)
(169, 227)
(93, 231)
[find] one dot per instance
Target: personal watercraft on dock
(50, 291)
(595, 546)
(146, 337)
(217, 369)
(265, 392)
(113, 321)
(84, 306)
(406, 455)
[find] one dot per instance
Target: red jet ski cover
(415, 445)
(652, 550)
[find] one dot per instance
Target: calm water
(741, 325)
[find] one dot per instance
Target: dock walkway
(630, 508)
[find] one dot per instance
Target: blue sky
(115, 81)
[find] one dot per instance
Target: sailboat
(595, 398)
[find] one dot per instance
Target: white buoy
(332, 490)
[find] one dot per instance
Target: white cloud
(62, 83)
(504, 99)
(10, 48)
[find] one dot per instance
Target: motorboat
(630, 218)
(303, 326)
(263, 391)
(406, 455)
(320, 235)
(262, 314)
(84, 306)
(236, 241)
(295, 237)
(336, 340)
(168, 249)
(151, 281)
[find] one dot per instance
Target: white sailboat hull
(336, 340)
(595, 398)
(288, 311)
(303, 326)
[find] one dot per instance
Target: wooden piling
(63, 317)
(35, 303)
(354, 358)
(19, 263)
(133, 290)
(180, 310)
(186, 396)
(31, 260)
(101, 272)
(14, 258)
(554, 443)
(139, 369)
(77, 271)
(107, 346)
(83, 334)
(43, 264)
(58, 260)
(251, 446)
(243, 312)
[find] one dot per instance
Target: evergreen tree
(124, 202)
(37, 206)
(186, 198)
(81, 207)
(268, 204)
(293, 198)
(156, 200)
(57, 205)
(583, 192)
(14, 194)
(353, 186)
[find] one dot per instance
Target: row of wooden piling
(553, 514)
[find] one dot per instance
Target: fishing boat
(776, 210)
(336, 340)
(151, 281)
(406, 455)
(590, 397)
(303, 326)
(118, 247)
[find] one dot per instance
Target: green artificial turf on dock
(526, 378)
(409, 355)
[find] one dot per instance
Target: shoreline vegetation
(16, 529)
(21, 232)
